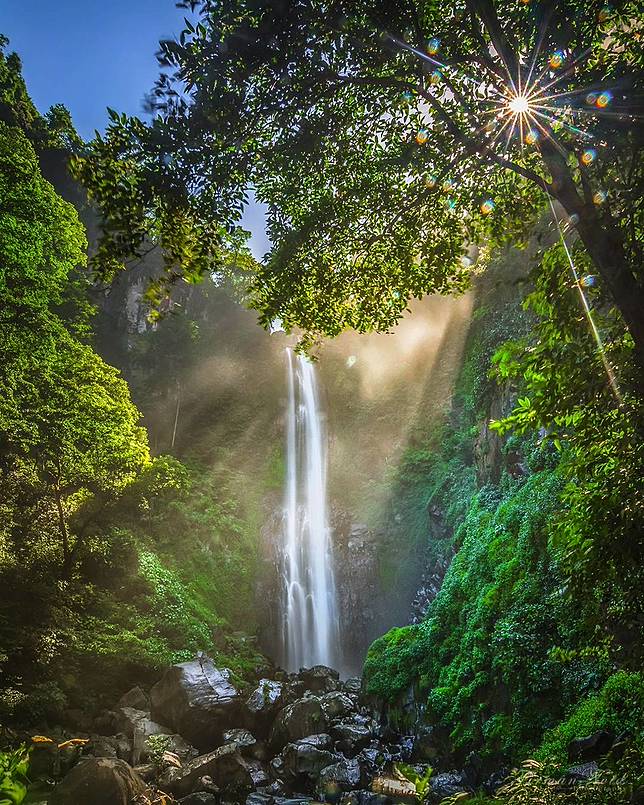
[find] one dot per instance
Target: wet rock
(266, 798)
(346, 775)
(365, 798)
(147, 771)
(225, 767)
(447, 784)
(473, 770)
(198, 701)
(263, 703)
(374, 758)
(353, 686)
(243, 739)
(496, 781)
(352, 735)
(258, 774)
(44, 761)
(336, 705)
(136, 698)
(425, 744)
(200, 798)
(259, 798)
(176, 745)
(112, 746)
(307, 758)
(303, 717)
(320, 679)
(592, 747)
(101, 781)
(581, 773)
(131, 722)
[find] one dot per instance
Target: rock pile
(290, 740)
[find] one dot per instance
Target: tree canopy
(66, 418)
(389, 140)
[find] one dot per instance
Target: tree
(67, 423)
(376, 133)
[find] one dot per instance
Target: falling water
(309, 617)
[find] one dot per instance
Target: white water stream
(310, 632)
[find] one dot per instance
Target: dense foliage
(540, 605)
(369, 130)
(131, 563)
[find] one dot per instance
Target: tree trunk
(607, 253)
(605, 248)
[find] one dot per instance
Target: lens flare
(591, 98)
(532, 137)
(599, 197)
(430, 181)
(605, 13)
(604, 99)
(448, 185)
(588, 281)
(589, 156)
(519, 105)
(435, 77)
(451, 204)
(487, 206)
(433, 46)
(422, 136)
(408, 96)
(556, 59)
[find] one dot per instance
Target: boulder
(135, 698)
(352, 735)
(365, 798)
(200, 798)
(101, 781)
(345, 775)
(44, 761)
(581, 773)
(228, 770)
(264, 701)
(320, 679)
(353, 686)
(448, 784)
(258, 774)
(336, 705)
(303, 717)
(425, 744)
(175, 744)
(306, 759)
(112, 746)
(198, 701)
(592, 747)
(496, 781)
(265, 798)
(133, 722)
(374, 759)
(243, 739)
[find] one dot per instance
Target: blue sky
(92, 54)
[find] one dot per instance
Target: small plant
(419, 781)
(14, 765)
(157, 746)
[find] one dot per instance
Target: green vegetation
(538, 606)
(14, 768)
(111, 564)
(616, 707)
(376, 166)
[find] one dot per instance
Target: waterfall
(310, 634)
